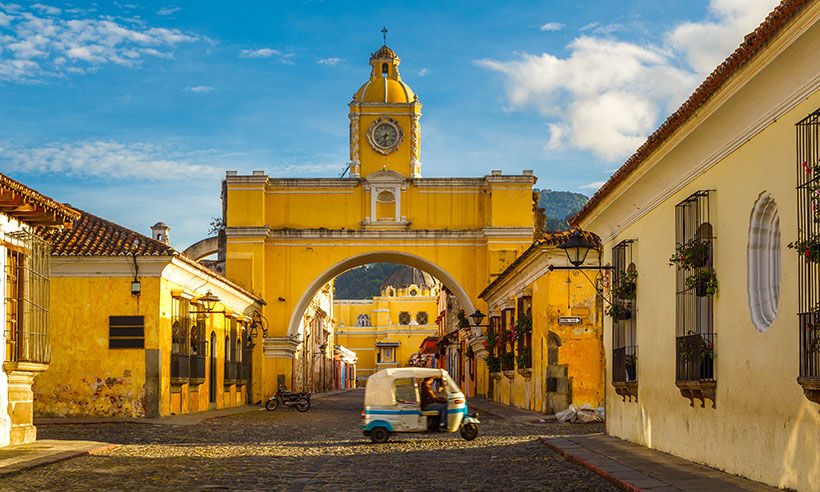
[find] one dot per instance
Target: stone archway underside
(377, 257)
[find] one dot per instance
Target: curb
(56, 458)
(586, 464)
(483, 410)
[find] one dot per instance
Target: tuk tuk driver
(431, 401)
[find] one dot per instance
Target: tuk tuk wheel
(379, 435)
(469, 431)
(302, 404)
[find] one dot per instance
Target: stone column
(21, 399)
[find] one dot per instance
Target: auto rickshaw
(392, 405)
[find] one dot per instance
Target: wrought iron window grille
(808, 247)
(695, 340)
(624, 341)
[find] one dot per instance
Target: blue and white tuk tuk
(392, 405)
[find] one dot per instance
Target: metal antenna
(384, 34)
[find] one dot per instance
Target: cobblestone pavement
(320, 450)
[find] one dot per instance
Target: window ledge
(698, 390)
(811, 388)
(626, 390)
(525, 371)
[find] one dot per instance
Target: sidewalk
(628, 465)
(24, 456)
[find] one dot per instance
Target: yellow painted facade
(286, 238)
(566, 342)
(91, 376)
(375, 331)
(740, 146)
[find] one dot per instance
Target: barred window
(808, 248)
(696, 284)
(404, 318)
(421, 317)
(27, 298)
(623, 312)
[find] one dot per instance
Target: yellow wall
(384, 316)
(556, 294)
(86, 378)
(763, 427)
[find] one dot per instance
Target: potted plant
(618, 311)
(508, 364)
(493, 363)
(808, 248)
(631, 366)
(691, 254)
(523, 326)
(524, 358)
(704, 282)
(625, 287)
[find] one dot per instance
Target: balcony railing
(230, 372)
(625, 364)
(696, 357)
(180, 368)
(27, 301)
(197, 373)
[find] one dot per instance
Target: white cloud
(608, 95)
(592, 186)
(105, 159)
(168, 10)
(46, 9)
(200, 89)
(706, 44)
(40, 47)
(329, 61)
(423, 72)
(260, 53)
(552, 26)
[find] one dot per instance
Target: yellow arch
(377, 257)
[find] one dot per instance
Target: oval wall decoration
(763, 262)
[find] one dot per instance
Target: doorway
(212, 382)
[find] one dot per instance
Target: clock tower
(384, 121)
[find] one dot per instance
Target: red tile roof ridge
(95, 236)
(65, 211)
(752, 42)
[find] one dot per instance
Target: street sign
(569, 320)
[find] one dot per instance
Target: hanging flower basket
(690, 255)
(704, 282)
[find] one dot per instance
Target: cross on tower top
(384, 34)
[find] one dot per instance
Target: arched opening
(377, 257)
(385, 69)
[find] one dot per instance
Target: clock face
(385, 135)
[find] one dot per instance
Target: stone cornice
(280, 347)
(512, 233)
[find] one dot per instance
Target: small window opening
(385, 69)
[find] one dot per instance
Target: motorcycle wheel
(272, 404)
(302, 404)
(469, 431)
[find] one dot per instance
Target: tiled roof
(546, 239)
(407, 276)
(753, 41)
(20, 201)
(95, 236)
(384, 52)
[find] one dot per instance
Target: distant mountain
(363, 282)
(558, 205)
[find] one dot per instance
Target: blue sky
(134, 112)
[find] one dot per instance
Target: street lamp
(478, 317)
(257, 322)
(577, 247)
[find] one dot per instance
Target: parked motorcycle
(289, 398)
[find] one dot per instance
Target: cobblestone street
(322, 449)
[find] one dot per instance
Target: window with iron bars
(623, 313)
(808, 247)
(181, 324)
(695, 339)
(27, 298)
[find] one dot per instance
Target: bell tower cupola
(384, 121)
